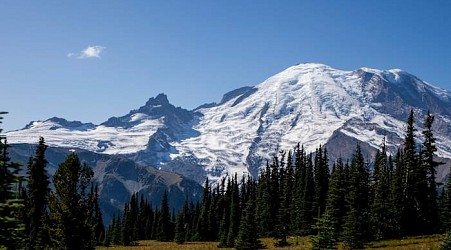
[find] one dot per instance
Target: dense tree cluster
(34, 217)
(296, 194)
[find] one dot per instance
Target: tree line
(32, 216)
(299, 193)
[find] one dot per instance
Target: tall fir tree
(127, 227)
(335, 204)
(248, 237)
(234, 214)
(429, 164)
(203, 227)
(321, 171)
(165, 231)
(380, 219)
(355, 228)
(182, 224)
(284, 213)
(263, 201)
(68, 205)
(225, 221)
(325, 237)
(11, 226)
(298, 189)
(416, 183)
(308, 210)
(37, 199)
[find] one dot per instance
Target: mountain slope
(310, 103)
(118, 178)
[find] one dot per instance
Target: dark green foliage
(96, 217)
(335, 204)
(234, 214)
(321, 172)
(447, 244)
(307, 211)
(355, 229)
(248, 234)
(264, 196)
(397, 198)
(286, 201)
(381, 219)
(114, 230)
(11, 226)
(298, 189)
(429, 165)
(70, 227)
(203, 230)
(165, 229)
(182, 224)
(36, 203)
(326, 236)
(416, 176)
(225, 221)
(445, 206)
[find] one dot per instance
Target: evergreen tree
(307, 208)
(326, 236)
(298, 189)
(335, 204)
(397, 197)
(416, 198)
(96, 217)
(203, 227)
(127, 227)
(429, 164)
(234, 214)
(182, 224)
(69, 205)
(447, 244)
(225, 221)
(114, 230)
(445, 204)
(264, 196)
(355, 231)
(165, 230)
(274, 193)
(248, 234)
(380, 207)
(11, 227)
(284, 214)
(37, 199)
(321, 172)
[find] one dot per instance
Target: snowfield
(306, 104)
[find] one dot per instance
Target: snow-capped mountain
(310, 103)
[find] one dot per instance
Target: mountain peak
(160, 99)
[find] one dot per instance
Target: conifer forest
(297, 193)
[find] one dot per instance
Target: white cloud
(89, 52)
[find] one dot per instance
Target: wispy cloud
(90, 52)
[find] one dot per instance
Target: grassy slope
(416, 243)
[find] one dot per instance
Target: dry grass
(431, 242)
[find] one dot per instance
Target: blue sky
(195, 51)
